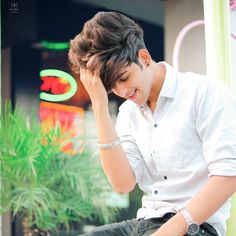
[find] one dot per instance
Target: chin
(143, 102)
(140, 103)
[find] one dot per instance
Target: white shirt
(190, 136)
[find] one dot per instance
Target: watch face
(193, 229)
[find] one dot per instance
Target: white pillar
(219, 57)
(218, 39)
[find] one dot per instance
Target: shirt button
(155, 125)
(156, 192)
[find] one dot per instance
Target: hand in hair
(90, 77)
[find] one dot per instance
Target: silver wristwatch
(192, 226)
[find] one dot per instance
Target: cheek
(115, 91)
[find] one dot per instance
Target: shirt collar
(169, 86)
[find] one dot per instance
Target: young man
(175, 135)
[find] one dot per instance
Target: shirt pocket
(177, 147)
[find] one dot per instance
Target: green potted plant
(43, 186)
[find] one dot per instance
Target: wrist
(174, 226)
(100, 107)
(99, 101)
(192, 226)
(180, 223)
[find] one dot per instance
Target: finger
(94, 65)
(97, 71)
(91, 61)
(85, 73)
(81, 74)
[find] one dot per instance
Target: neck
(159, 73)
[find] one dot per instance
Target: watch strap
(187, 216)
(192, 226)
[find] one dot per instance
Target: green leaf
(41, 182)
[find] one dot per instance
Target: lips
(132, 95)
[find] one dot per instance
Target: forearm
(211, 197)
(114, 161)
(203, 205)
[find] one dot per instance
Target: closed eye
(123, 79)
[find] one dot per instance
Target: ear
(144, 56)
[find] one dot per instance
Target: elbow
(122, 184)
(123, 188)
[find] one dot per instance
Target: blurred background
(35, 36)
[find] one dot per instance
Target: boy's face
(135, 84)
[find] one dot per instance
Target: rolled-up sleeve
(124, 132)
(216, 126)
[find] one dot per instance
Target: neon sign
(55, 45)
(59, 86)
(70, 119)
(49, 76)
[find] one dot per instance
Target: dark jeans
(142, 228)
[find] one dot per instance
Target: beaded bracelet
(109, 145)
